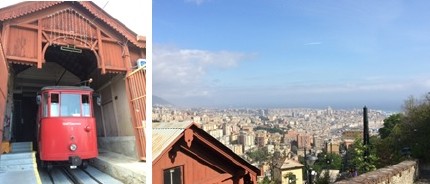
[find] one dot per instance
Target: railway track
(65, 175)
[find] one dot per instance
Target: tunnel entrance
(64, 44)
(25, 109)
(62, 68)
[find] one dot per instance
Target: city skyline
(290, 53)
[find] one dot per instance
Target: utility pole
(306, 166)
(366, 141)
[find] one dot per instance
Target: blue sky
(281, 53)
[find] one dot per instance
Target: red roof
(164, 135)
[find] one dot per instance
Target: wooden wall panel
(136, 92)
(194, 171)
(22, 43)
(4, 78)
(113, 55)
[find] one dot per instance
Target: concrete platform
(19, 168)
(123, 168)
(28, 176)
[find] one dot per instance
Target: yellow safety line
(36, 172)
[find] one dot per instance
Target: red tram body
(66, 125)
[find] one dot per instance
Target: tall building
(261, 138)
(304, 141)
(227, 129)
(247, 139)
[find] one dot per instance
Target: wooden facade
(4, 76)
(136, 89)
(30, 29)
(184, 153)
(82, 25)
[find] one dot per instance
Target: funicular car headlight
(73, 147)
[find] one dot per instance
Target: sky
(288, 53)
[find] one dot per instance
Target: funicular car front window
(70, 105)
(55, 110)
(45, 104)
(86, 106)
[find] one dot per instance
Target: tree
(258, 155)
(387, 149)
(415, 128)
(325, 162)
(266, 180)
(291, 178)
(358, 161)
(325, 179)
(407, 131)
(389, 124)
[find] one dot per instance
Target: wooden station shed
(48, 43)
(184, 153)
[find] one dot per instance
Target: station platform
(123, 168)
(19, 165)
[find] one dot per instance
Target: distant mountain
(158, 101)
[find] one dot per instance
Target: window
(86, 111)
(55, 104)
(291, 178)
(45, 105)
(70, 105)
(173, 175)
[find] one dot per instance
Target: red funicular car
(66, 126)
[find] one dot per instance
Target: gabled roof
(28, 7)
(291, 164)
(165, 135)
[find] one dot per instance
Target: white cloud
(181, 72)
(197, 2)
(313, 43)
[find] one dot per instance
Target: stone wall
(403, 173)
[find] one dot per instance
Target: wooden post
(5, 36)
(102, 61)
(127, 59)
(39, 43)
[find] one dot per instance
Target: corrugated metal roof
(163, 135)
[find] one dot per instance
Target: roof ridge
(28, 7)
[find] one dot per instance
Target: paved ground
(424, 174)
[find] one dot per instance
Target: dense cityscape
(287, 132)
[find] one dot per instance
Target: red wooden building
(64, 43)
(184, 153)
